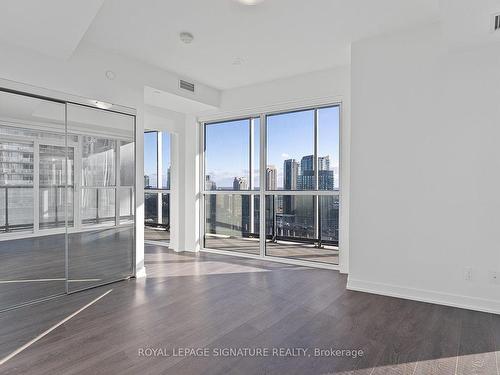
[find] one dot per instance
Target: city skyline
(298, 176)
(289, 136)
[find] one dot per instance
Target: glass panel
(291, 229)
(231, 222)
(106, 205)
(157, 217)
(20, 208)
(150, 160)
(328, 148)
(52, 207)
(101, 254)
(98, 161)
(127, 167)
(329, 220)
(126, 201)
(165, 165)
(89, 206)
(98, 206)
(165, 209)
(55, 172)
(227, 146)
(151, 208)
(32, 267)
(290, 151)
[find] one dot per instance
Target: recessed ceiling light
(186, 37)
(249, 2)
(110, 75)
(102, 105)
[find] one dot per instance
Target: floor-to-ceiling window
(232, 200)
(298, 192)
(157, 186)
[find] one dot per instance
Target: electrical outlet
(495, 277)
(468, 274)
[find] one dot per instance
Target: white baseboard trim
(429, 296)
(140, 273)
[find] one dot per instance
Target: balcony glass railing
(301, 227)
(156, 216)
(16, 208)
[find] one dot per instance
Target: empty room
(249, 187)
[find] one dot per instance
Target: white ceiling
(275, 39)
(52, 27)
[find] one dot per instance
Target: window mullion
(262, 187)
(316, 176)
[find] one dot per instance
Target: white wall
(425, 162)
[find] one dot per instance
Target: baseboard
(140, 273)
(429, 296)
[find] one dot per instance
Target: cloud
(285, 155)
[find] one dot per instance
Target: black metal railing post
(6, 209)
(97, 206)
(273, 239)
(55, 205)
(320, 240)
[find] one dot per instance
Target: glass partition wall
(66, 197)
(298, 153)
(157, 186)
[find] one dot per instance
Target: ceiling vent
(496, 22)
(185, 85)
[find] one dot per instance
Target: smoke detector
(186, 37)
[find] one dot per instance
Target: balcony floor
(282, 249)
(156, 234)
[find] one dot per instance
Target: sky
(289, 136)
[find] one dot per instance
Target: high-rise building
(325, 174)
(305, 180)
(324, 163)
(271, 178)
(146, 181)
(290, 174)
(240, 183)
(290, 178)
(209, 184)
(166, 179)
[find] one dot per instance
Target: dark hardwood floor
(214, 301)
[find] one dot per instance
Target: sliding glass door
(67, 176)
(101, 250)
